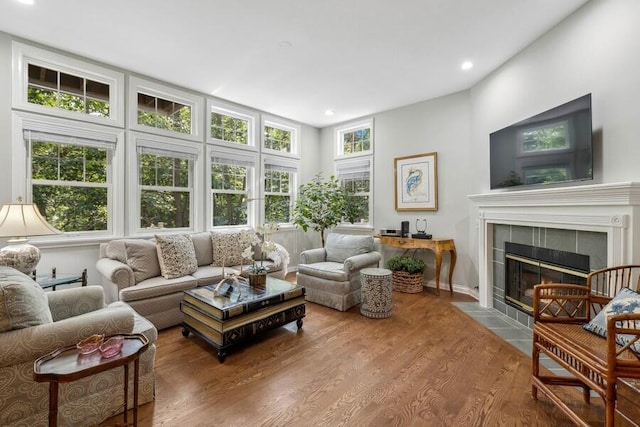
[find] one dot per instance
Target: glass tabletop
(49, 280)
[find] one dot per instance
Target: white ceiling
(296, 58)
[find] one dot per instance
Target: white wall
(596, 50)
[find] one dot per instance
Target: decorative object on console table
(416, 182)
(21, 221)
(408, 273)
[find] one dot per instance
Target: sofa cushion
(342, 246)
(176, 254)
(142, 257)
(203, 247)
(227, 248)
(23, 302)
(157, 286)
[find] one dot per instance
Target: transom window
(52, 88)
(280, 137)
(229, 128)
(162, 113)
(165, 179)
(355, 139)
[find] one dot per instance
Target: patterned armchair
(34, 323)
(331, 275)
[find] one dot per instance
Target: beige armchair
(59, 319)
(331, 275)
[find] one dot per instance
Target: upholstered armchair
(331, 275)
(34, 323)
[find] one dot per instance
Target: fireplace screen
(527, 266)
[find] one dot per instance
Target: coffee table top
(239, 297)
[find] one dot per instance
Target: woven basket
(410, 283)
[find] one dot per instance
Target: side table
(54, 279)
(67, 364)
(377, 292)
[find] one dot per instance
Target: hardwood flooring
(427, 365)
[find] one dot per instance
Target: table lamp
(21, 221)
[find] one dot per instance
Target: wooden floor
(427, 365)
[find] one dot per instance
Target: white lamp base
(22, 256)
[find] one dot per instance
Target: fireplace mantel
(609, 208)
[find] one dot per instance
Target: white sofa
(132, 271)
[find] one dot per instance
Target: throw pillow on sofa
(227, 249)
(23, 303)
(177, 255)
(140, 255)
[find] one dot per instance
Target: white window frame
(357, 164)
(239, 113)
(284, 125)
(286, 163)
(137, 139)
(147, 87)
(24, 54)
(21, 160)
(253, 200)
(352, 127)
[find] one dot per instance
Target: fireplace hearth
(527, 266)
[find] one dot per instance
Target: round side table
(376, 290)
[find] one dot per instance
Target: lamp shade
(21, 220)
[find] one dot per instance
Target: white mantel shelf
(613, 209)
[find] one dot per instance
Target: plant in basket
(408, 273)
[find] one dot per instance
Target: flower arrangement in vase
(259, 242)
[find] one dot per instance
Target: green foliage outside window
(69, 185)
(163, 114)
(277, 203)
(277, 139)
(356, 141)
(230, 129)
(229, 187)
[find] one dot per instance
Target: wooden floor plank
(427, 365)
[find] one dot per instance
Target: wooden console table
(436, 245)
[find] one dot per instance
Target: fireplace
(526, 266)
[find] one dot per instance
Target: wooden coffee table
(241, 313)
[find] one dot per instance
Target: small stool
(376, 290)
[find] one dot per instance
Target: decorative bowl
(112, 346)
(90, 344)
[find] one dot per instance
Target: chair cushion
(325, 270)
(176, 254)
(625, 301)
(342, 246)
(227, 248)
(23, 302)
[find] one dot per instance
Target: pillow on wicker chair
(625, 301)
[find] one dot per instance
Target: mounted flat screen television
(550, 147)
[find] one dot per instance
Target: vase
(257, 279)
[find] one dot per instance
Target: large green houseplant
(321, 205)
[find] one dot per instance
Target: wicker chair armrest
(623, 333)
(561, 302)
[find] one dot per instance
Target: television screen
(550, 147)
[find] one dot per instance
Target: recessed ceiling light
(467, 65)
(27, 2)
(285, 44)
(329, 113)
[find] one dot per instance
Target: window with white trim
(355, 177)
(232, 183)
(280, 177)
(280, 137)
(69, 173)
(230, 125)
(164, 110)
(165, 184)
(54, 84)
(355, 139)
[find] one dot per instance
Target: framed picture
(416, 182)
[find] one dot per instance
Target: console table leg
(452, 265)
(438, 267)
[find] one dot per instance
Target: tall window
(166, 187)
(231, 183)
(355, 176)
(355, 139)
(70, 178)
(279, 189)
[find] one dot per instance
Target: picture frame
(416, 181)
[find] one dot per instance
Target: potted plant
(259, 242)
(408, 273)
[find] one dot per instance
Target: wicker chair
(595, 363)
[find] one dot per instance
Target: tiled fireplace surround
(601, 220)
